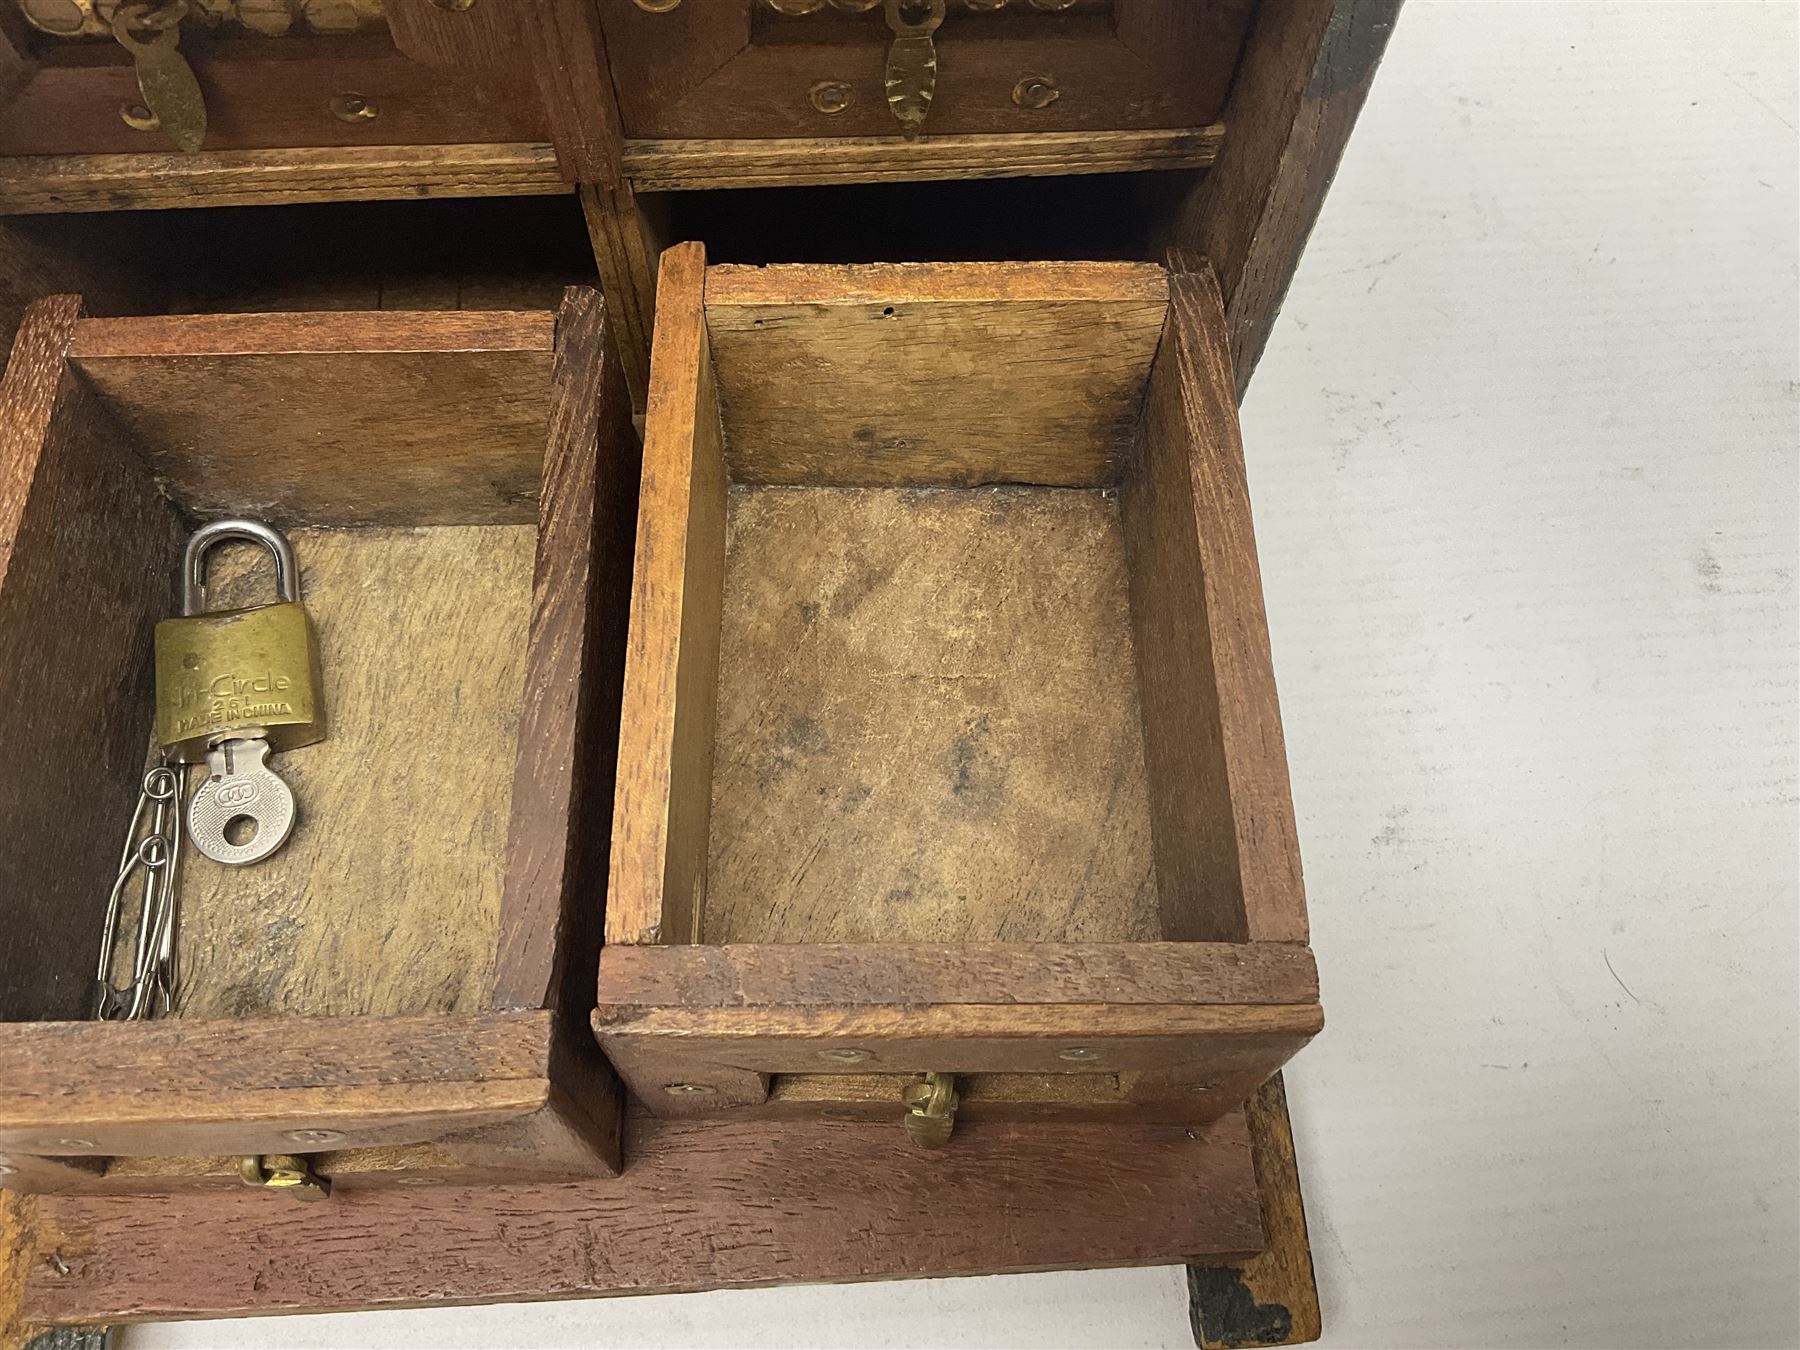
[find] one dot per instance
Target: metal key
(240, 789)
(164, 77)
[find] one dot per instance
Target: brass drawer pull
(930, 1109)
(284, 1172)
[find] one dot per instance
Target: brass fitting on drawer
(285, 1172)
(930, 1109)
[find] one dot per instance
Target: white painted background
(1524, 454)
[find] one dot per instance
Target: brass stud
(139, 118)
(353, 108)
(795, 8)
(985, 6)
(64, 1143)
(831, 97)
(656, 6)
(454, 6)
(1080, 1054)
(1054, 6)
(844, 1056)
(855, 6)
(1036, 91)
(315, 1138)
(690, 1089)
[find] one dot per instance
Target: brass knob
(656, 6)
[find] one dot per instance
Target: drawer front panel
(744, 68)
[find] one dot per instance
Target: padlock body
(237, 672)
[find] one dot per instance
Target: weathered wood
(566, 49)
(258, 99)
(86, 545)
(1306, 70)
(686, 1062)
(550, 915)
(242, 1085)
(927, 724)
(625, 252)
(155, 180)
(806, 161)
(334, 419)
(386, 900)
(933, 374)
(702, 1206)
(664, 786)
(1227, 851)
(1271, 1298)
(825, 974)
(716, 70)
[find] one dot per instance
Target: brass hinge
(286, 1172)
(930, 1109)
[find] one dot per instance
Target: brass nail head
(353, 108)
(1036, 91)
(831, 96)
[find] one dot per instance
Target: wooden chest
(404, 989)
(949, 741)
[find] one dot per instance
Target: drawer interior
(386, 899)
(942, 665)
(403, 454)
(928, 722)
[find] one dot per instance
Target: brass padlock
(237, 673)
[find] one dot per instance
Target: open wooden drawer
(949, 741)
(404, 988)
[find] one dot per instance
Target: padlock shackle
(200, 543)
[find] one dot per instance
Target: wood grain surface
(913, 973)
(620, 229)
(921, 374)
(386, 899)
(179, 1087)
(551, 910)
(804, 161)
(334, 419)
(927, 724)
(701, 1206)
(150, 179)
(1227, 850)
(263, 95)
(1270, 1298)
(565, 48)
(664, 786)
(1306, 70)
(87, 548)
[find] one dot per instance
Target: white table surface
(1523, 453)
